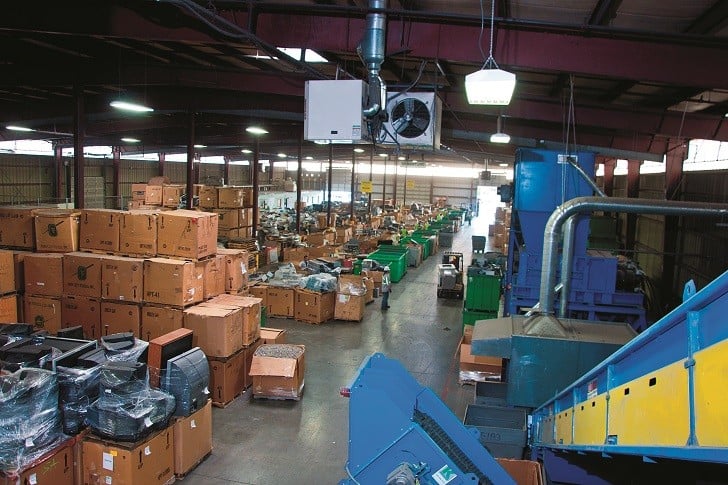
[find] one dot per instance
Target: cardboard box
(122, 279)
(56, 467)
(19, 269)
(236, 269)
(320, 251)
(160, 320)
(138, 192)
(43, 312)
(294, 254)
(272, 335)
(192, 439)
(8, 283)
(138, 234)
(314, 307)
(227, 377)
(17, 227)
(149, 462)
(187, 234)
(524, 472)
(213, 271)
(260, 291)
(278, 377)
(208, 197)
(82, 274)
(315, 239)
(218, 331)
(349, 284)
(237, 233)
(369, 283)
(83, 311)
(281, 302)
(477, 368)
(100, 230)
(56, 230)
(249, 351)
(171, 195)
(9, 309)
(249, 313)
(343, 235)
(43, 273)
(172, 282)
(234, 218)
(230, 197)
(154, 195)
(349, 307)
(117, 317)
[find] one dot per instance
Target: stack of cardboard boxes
(498, 232)
(233, 205)
(353, 293)
(11, 286)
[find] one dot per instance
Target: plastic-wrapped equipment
(187, 378)
(78, 388)
(351, 286)
(321, 282)
(30, 422)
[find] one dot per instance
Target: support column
(432, 189)
(353, 181)
(673, 191)
(79, 128)
(609, 166)
(299, 181)
(226, 171)
(384, 183)
(254, 167)
(371, 178)
(394, 191)
(330, 182)
(190, 158)
(59, 171)
(198, 167)
(404, 197)
(116, 168)
(633, 191)
(160, 171)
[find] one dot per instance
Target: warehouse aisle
(276, 442)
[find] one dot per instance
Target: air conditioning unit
(485, 175)
(414, 120)
(333, 111)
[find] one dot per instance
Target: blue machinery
(543, 181)
(400, 433)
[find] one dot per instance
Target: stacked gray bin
(445, 239)
(503, 429)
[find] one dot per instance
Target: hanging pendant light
(499, 136)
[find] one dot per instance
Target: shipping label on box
(82, 311)
(158, 321)
(100, 230)
(187, 234)
(122, 279)
(138, 234)
(57, 230)
(82, 274)
(120, 317)
(43, 274)
(17, 227)
(43, 312)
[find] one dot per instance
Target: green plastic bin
(483, 292)
(396, 260)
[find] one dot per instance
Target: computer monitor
(187, 378)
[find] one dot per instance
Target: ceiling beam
(604, 12)
(712, 20)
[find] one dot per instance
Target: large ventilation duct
(372, 53)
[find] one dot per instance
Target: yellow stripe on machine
(711, 383)
(590, 421)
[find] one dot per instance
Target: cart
(450, 276)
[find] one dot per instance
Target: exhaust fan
(414, 120)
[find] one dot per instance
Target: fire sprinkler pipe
(582, 205)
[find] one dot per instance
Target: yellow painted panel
(563, 427)
(590, 421)
(711, 382)
(655, 414)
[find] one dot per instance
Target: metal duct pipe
(586, 177)
(581, 205)
(372, 53)
(567, 259)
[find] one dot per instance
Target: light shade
(128, 106)
(19, 128)
(490, 86)
(256, 130)
(128, 139)
(500, 138)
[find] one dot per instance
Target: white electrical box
(333, 112)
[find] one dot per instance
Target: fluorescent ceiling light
(19, 128)
(400, 158)
(502, 164)
(500, 138)
(128, 139)
(359, 150)
(246, 150)
(308, 56)
(282, 155)
(309, 157)
(322, 142)
(256, 130)
(133, 107)
(200, 146)
(490, 86)
(383, 155)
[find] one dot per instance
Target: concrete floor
(265, 442)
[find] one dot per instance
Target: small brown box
(273, 335)
(278, 377)
(122, 278)
(236, 269)
(56, 230)
(281, 302)
(192, 439)
(117, 317)
(138, 192)
(17, 227)
(43, 312)
(100, 230)
(228, 377)
(83, 311)
(208, 197)
(172, 282)
(154, 195)
(43, 274)
(139, 233)
(160, 320)
(214, 276)
(82, 274)
(187, 234)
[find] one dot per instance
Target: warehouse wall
(26, 179)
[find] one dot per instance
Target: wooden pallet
(100, 252)
(278, 398)
(222, 405)
(181, 476)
